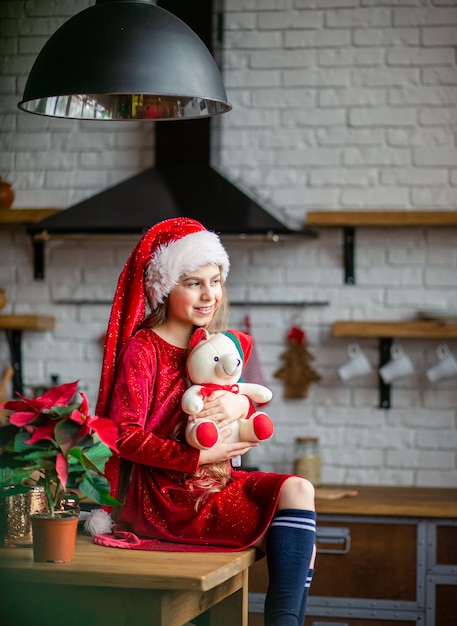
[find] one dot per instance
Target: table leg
(233, 610)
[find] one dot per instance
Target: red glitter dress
(160, 512)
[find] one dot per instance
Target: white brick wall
(362, 85)
(336, 105)
(56, 162)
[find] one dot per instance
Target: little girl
(174, 496)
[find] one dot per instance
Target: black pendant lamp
(125, 60)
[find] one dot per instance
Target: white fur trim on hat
(182, 256)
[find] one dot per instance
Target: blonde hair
(208, 479)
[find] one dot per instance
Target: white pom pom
(98, 522)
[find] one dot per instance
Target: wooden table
(120, 587)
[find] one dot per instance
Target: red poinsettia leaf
(26, 410)
(33, 405)
(42, 432)
(62, 469)
(58, 396)
(84, 408)
(22, 418)
(106, 430)
(84, 430)
(17, 405)
(77, 417)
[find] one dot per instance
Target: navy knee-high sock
(301, 617)
(289, 549)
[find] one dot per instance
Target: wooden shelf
(25, 216)
(349, 220)
(27, 322)
(381, 218)
(13, 325)
(425, 329)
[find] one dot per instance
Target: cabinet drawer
(445, 605)
(380, 563)
(446, 544)
(373, 560)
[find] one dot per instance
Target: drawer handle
(329, 623)
(333, 535)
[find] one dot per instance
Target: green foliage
(59, 446)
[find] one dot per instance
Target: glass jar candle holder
(17, 510)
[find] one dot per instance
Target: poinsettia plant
(53, 441)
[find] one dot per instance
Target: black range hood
(182, 182)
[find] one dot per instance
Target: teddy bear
(215, 361)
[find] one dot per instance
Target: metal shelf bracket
(384, 356)
(349, 254)
(38, 259)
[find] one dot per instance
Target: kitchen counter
(387, 501)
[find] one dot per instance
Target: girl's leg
(309, 578)
(290, 554)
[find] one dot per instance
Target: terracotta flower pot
(54, 538)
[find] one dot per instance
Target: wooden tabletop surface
(114, 567)
(389, 501)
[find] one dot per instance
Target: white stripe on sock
(302, 524)
(291, 518)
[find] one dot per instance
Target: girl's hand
(224, 407)
(223, 451)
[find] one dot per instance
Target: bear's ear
(201, 334)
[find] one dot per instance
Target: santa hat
(242, 341)
(181, 249)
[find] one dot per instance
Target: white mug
(356, 365)
(445, 367)
(399, 366)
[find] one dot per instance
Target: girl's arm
(132, 397)
(143, 447)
